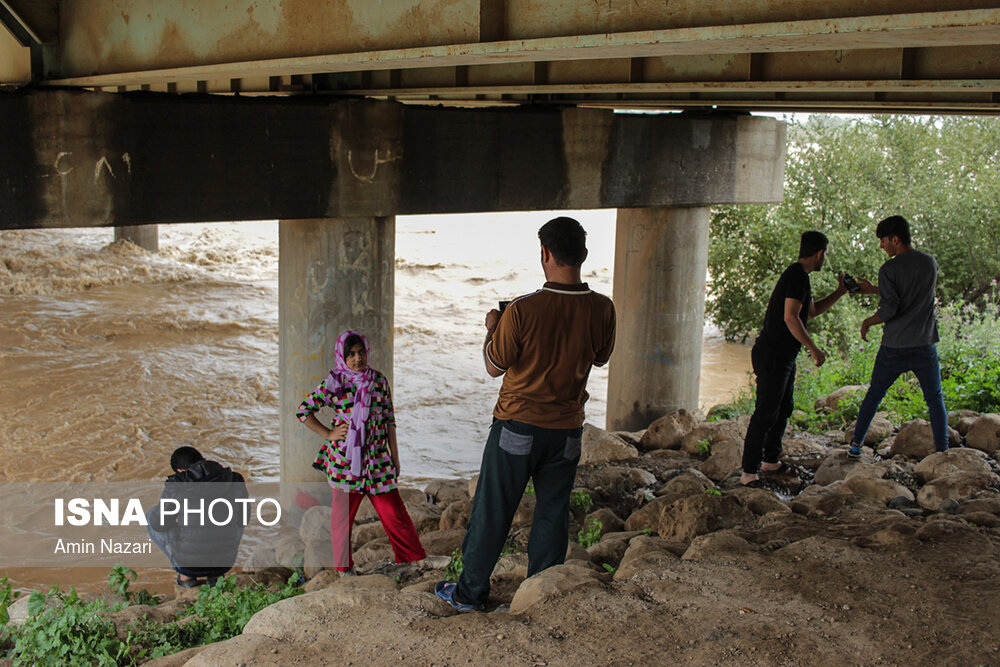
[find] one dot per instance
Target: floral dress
(378, 474)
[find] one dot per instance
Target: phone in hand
(503, 306)
(851, 284)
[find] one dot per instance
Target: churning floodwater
(111, 357)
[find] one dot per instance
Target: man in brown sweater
(544, 344)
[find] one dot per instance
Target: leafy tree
(842, 177)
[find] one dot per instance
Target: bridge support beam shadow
(146, 237)
(661, 261)
(334, 274)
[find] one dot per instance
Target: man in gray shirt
(906, 306)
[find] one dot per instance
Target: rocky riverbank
(889, 560)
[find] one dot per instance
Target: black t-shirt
(775, 336)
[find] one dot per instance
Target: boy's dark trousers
(516, 452)
(775, 402)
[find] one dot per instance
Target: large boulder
(366, 532)
(315, 526)
(599, 446)
(685, 484)
(836, 466)
(956, 486)
(984, 434)
(759, 501)
(915, 439)
(647, 517)
(610, 522)
(726, 457)
(699, 514)
(798, 446)
(880, 429)
(442, 542)
(608, 551)
(649, 555)
(551, 583)
(615, 481)
(668, 431)
(813, 495)
(456, 515)
(833, 400)
(880, 489)
(447, 491)
(961, 459)
(713, 433)
(723, 545)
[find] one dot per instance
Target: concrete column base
(334, 274)
(146, 237)
(661, 263)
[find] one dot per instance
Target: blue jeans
(890, 363)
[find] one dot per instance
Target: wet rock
(916, 441)
(447, 491)
(714, 433)
(721, 546)
(880, 489)
(668, 431)
(956, 486)
(599, 446)
(831, 401)
(456, 515)
(608, 551)
(900, 502)
(551, 583)
(880, 429)
(960, 459)
(984, 434)
(610, 522)
(696, 515)
(836, 466)
(725, 458)
(650, 555)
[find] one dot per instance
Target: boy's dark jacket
(194, 546)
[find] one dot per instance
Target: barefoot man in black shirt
(773, 358)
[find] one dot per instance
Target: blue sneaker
(446, 591)
(854, 452)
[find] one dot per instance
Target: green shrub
(582, 500)
(454, 569)
(590, 534)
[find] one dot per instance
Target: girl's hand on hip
(338, 432)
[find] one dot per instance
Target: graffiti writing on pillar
(660, 357)
(366, 172)
(64, 164)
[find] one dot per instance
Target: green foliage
(582, 500)
(609, 567)
(7, 597)
(530, 489)
(703, 446)
(63, 629)
(590, 534)
(969, 350)
(119, 580)
(454, 569)
(713, 492)
(842, 177)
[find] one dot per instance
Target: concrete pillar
(145, 236)
(661, 262)
(334, 274)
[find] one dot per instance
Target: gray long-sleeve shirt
(906, 304)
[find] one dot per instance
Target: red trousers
(391, 512)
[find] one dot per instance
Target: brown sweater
(547, 342)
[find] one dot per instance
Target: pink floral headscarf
(340, 377)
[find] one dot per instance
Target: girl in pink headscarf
(359, 456)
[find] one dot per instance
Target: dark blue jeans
(890, 363)
(516, 452)
(162, 540)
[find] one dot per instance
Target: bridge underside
(796, 55)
